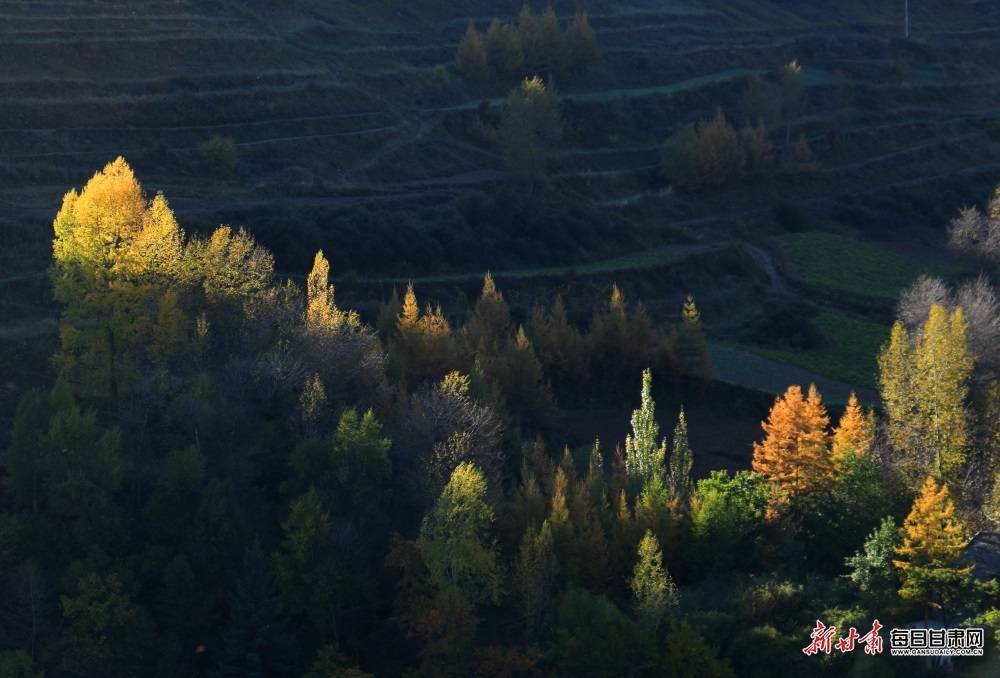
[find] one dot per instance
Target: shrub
(219, 153)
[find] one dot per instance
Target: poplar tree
(925, 386)
(645, 452)
(681, 462)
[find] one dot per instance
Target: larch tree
(855, 431)
(645, 451)
(551, 53)
(794, 453)
(503, 48)
(535, 579)
(322, 314)
(581, 46)
(529, 126)
(422, 344)
(471, 57)
(929, 557)
(653, 590)
(690, 345)
(681, 463)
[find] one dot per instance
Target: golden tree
(929, 557)
(925, 385)
(794, 453)
(117, 259)
(855, 431)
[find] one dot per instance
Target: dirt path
(766, 263)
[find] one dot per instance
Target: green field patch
(846, 265)
(849, 353)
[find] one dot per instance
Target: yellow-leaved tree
(929, 557)
(925, 384)
(117, 257)
(794, 454)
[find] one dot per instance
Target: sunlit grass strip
(846, 265)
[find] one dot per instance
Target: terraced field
(356, 108)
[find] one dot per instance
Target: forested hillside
(448, 339)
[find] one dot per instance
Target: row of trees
(535, 44)
(712, 153)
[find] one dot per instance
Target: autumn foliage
(795, 451)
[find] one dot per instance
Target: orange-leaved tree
(794, 454)
(855, 431)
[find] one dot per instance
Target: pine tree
(471, 56)
(933, 541)
(652, 587)
(681, 462)
(644, 456)
(854, 433)
(794, 454)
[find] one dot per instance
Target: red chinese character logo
(822, 639)
(846, 643)
(872, 640)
